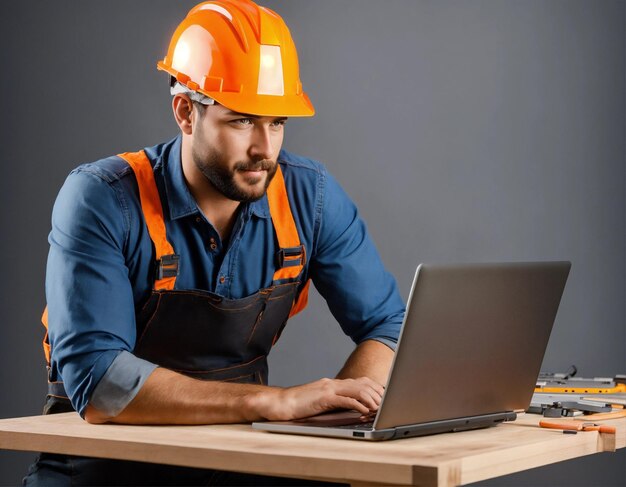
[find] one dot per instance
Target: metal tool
(566, 383)
(557, 405)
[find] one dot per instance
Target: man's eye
(243, 121)
(278, 123)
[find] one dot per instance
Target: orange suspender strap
(301, 301)
(291, 256)
(153, 214)
(46, 343)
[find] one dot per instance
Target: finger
(366, 418)
(377, 396)
(361, 389)
(362, 393)
(373, 384)
(369, 399)
(374, 391)
(349, 403)
(366, 381)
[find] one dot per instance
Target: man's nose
(262, 145)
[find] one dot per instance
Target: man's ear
(182, 106)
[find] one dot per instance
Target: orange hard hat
(241, 55)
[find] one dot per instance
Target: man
(173, 270)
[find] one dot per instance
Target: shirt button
(214, 246)
(198, 219)
(222, 279)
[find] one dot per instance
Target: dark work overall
(196, 333)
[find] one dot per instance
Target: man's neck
(221, 214)
(219, 210)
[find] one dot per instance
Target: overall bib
(193, 332)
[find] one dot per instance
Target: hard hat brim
(265, 105)
(298, 105)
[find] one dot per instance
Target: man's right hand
(283, 404)
(168, 397)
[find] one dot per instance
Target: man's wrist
(263, 404)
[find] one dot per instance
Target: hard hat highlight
(241, 55)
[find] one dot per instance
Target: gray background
(464, 131)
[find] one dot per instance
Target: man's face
(236, 152)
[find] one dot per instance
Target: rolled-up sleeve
(348, 272)
(90, 301)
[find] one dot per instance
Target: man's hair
(199, 106)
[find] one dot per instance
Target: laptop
(469, 353)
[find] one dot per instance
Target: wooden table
(439, 460)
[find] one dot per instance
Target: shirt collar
(260, 208)
(180, 200)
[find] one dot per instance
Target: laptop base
(304, 427)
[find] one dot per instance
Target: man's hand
(362, 394)
(171, 398)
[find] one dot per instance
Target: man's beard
(223, 178)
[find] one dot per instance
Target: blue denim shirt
(101, 260)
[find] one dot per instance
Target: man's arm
(370, 359)
(171, 398)
(92, 340)
(348, 272)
